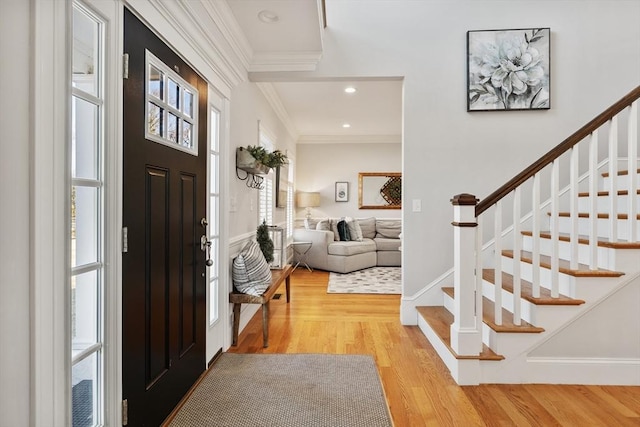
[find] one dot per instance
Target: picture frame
(342, 191)
(508, 70)
(282, 182)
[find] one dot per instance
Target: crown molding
(285, 61)
(181, 17)
(275, 102)
(350, 139)
(221, 14)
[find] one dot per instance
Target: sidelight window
(86, 219)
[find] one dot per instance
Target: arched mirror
(380, 190)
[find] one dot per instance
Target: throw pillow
(325, 224)
(354, 229)
(334, 227)
(251, 273)
(368, 227)
(343, 231)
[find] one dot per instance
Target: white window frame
(266, 201)
(152, 60)
(214, 164)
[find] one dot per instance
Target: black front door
(164, 199)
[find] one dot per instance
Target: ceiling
(317, 110)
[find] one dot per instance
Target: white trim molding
(285, 61)
(50, 204)
(274, 100)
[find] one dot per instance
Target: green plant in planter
(267, 158)
(265, 242)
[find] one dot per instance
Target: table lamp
(308, 200)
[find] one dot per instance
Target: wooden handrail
(557, 151)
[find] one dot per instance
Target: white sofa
(379, 246)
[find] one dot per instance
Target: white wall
(595, 60)
(319, 166)
(589, 337)
(14, 214)
(248, 105)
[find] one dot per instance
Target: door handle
(205, 246)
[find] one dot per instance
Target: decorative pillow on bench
(251, 273)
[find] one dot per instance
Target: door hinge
(125, 239)
(125, 412)
(125, 66)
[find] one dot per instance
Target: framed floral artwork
(508, 70)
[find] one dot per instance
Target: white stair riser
(545, 316)
(621, 184)
(606, 256)
(566, 282)
(603, 203)
(602, 227)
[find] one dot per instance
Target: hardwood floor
(418, 387)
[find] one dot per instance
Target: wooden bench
(237, 298)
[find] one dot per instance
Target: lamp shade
(308, 200)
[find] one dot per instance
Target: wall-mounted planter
(246, 162)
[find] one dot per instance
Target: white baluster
(554, 223)
(517, 246)
(632, 166)
(593, 201)
(573, 209)
(497, 295)
(613, 180)
(479, 280)
(535, 253)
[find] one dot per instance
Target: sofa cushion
(251, 273)
(385, 244)
(325, 224)
(389, 228)
(351, 248)
(368, 227)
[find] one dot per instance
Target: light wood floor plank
(417, 384)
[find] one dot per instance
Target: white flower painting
(508, 69)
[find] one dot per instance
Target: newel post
(466, 338)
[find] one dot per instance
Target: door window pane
(173, 94)
(213, 300)
(84, 225)
(154, 119)
(188, 103)
(155, 81)
(187, 134)
(172, 127)
(84, 139)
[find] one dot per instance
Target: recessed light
(268, 16)
(350, 89)
(346, 125)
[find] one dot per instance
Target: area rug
(287, 390)
(375, 280)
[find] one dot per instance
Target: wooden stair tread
(606, 193)
(600, 215)
(440, 321)
(564, 266)
(488, 317)
(526, 288)
(584, 240)
(620, 172)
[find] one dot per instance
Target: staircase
(552, 296)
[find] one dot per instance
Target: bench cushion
(351, 248)
(251, 272)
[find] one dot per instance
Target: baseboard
(593, 371)
(429, 295)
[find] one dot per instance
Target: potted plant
(265, 242)
(257, 159)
